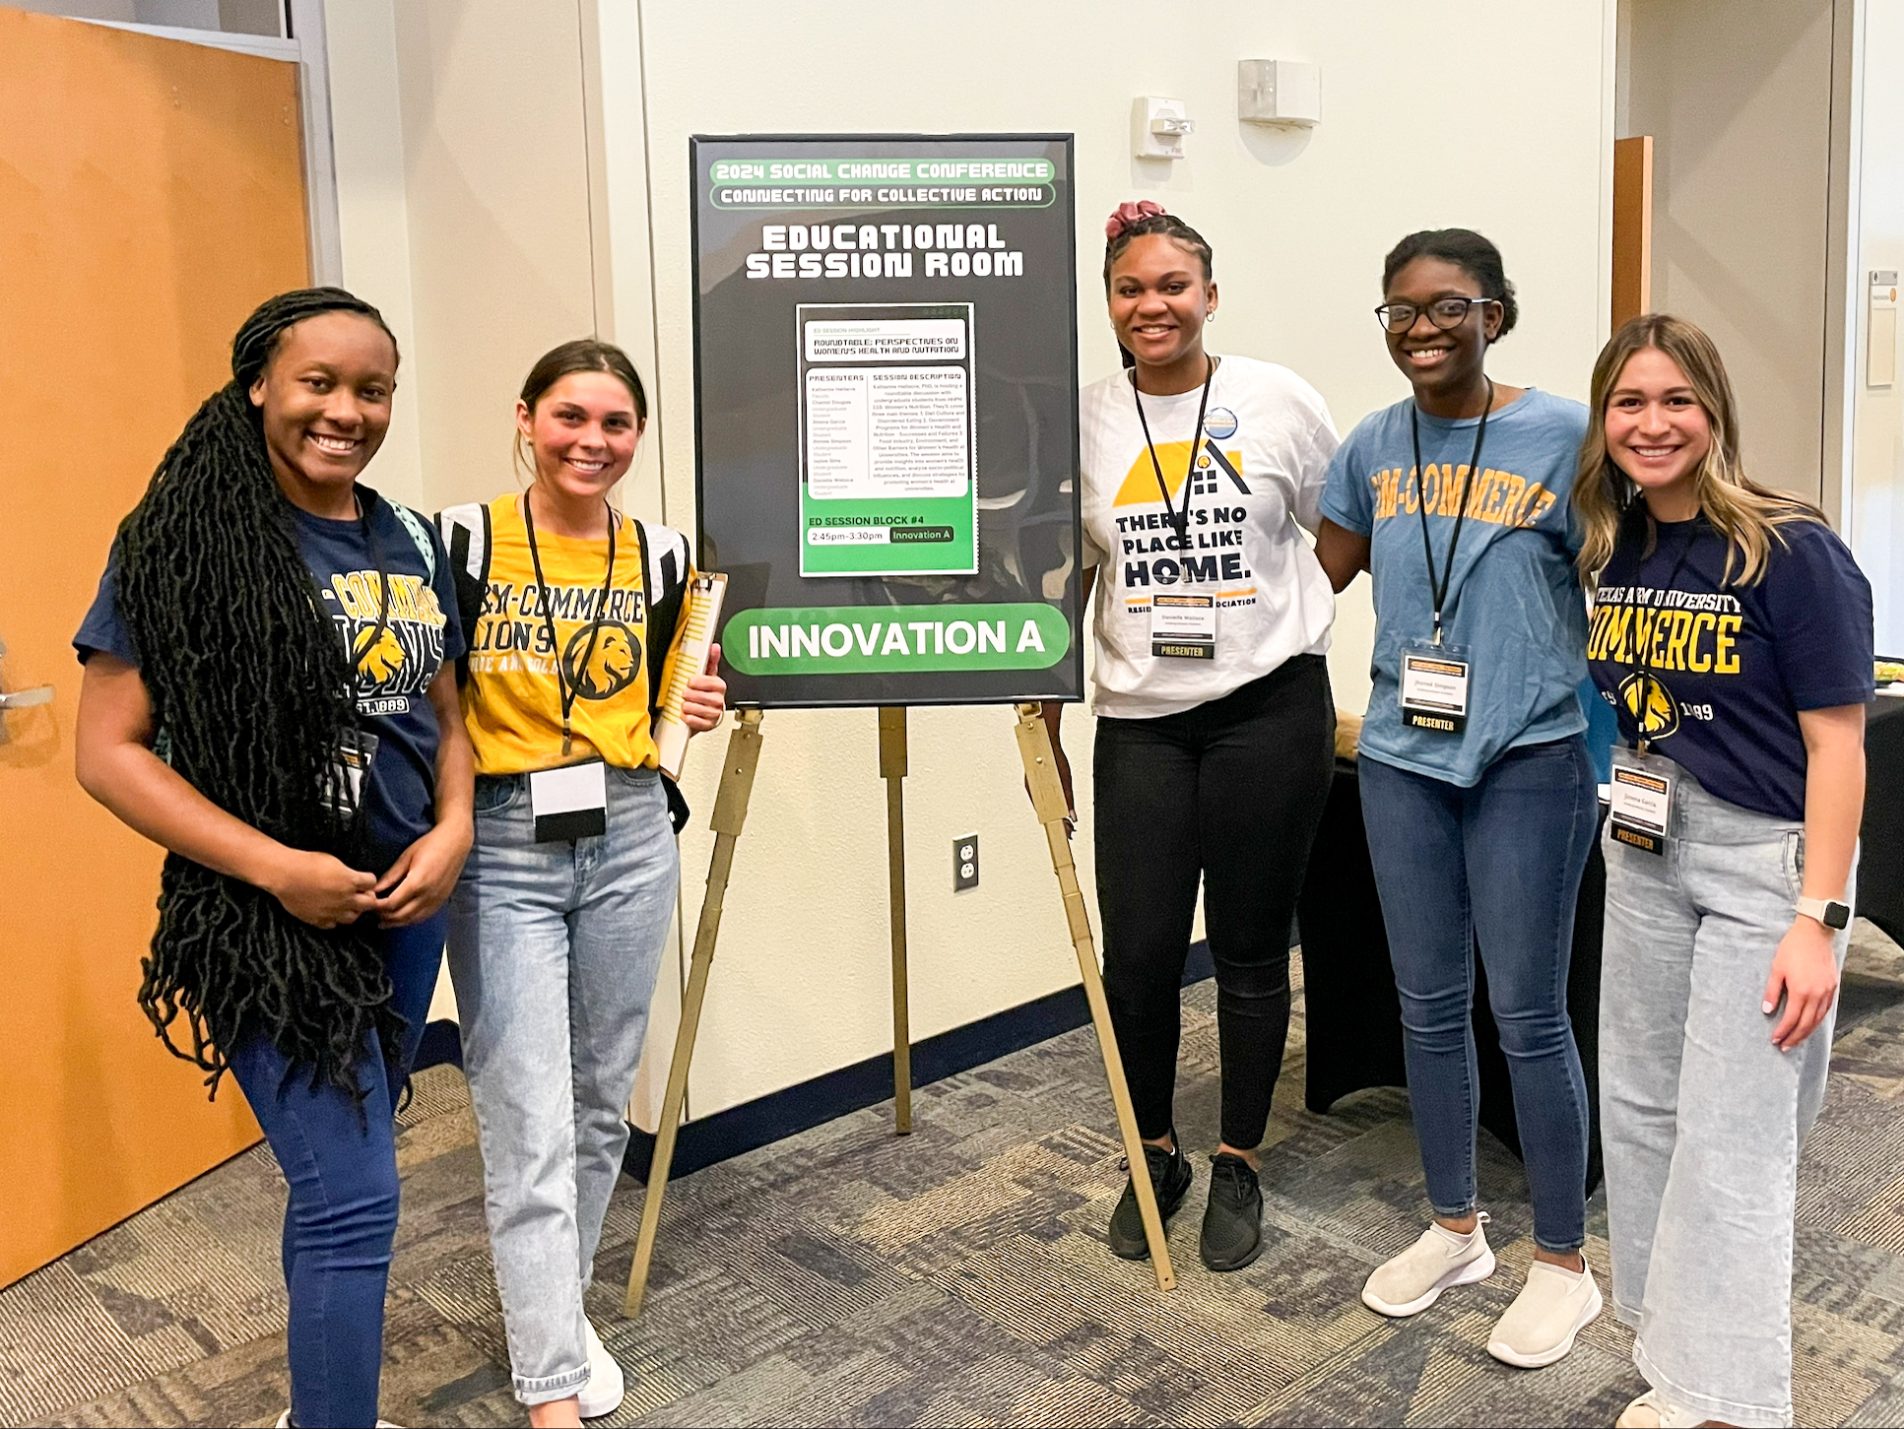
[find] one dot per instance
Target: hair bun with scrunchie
(1129, 212)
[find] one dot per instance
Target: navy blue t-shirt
(1734, 664)
(394, 672)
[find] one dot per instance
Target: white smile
(335, 446)
(586, 467)
(1653, 453)
(1427, 356)
(1154, 330)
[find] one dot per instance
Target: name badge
(1183, 626)
(1434, 687)
(1642, 801)
(350, 767)
(569, 803)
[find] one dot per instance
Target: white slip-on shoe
(1409, 1283)
(1553, 1306)
(606, 1384)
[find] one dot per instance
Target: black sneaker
(1170, 1177)
(1233, 1221)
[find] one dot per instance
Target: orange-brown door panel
(151, 194)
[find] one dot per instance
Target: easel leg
(730, 813)
(892, 768)
(1047, 797)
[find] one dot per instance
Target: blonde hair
(1745, 513)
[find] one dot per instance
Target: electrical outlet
(964, 863)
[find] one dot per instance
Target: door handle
(26, 699)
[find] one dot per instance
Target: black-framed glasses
(1444, 313)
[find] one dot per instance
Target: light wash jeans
(1701, 1116)
(554, 949)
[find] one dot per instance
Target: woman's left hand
(706, 699)
(424, 875)
(1805, 973)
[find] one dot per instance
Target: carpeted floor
(958, 1277)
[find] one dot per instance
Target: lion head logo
(607, 667)
(377, 653)
(1660, 716)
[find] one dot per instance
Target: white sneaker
(1649, 1411)
(606, 1384)
(1553, 1306)
(1409, 1283)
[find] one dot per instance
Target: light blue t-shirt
(1514, 600)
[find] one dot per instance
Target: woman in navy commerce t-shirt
(1731, 633)
(267, 694)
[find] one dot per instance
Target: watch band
(1828, 911)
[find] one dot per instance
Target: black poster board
(885, 335)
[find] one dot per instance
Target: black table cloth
(1881, 863)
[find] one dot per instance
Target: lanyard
(566, 689)
(1438, 590)
(383, 611)
(1642, 655)
(1179, 520)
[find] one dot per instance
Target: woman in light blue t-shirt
(1477, 788)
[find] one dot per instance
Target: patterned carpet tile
(958, 1276)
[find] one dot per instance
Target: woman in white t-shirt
(1216, 725)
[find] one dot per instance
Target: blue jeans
(554, 949)
(1498, 863)
(342, 1215)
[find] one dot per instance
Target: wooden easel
(730, 814)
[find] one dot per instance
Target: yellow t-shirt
(512, 701)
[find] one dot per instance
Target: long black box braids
(251, 686)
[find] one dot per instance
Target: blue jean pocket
(496, 793)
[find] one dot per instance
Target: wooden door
(1632, 228)
(151, 194)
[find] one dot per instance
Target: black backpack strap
(466, 535)
(665, 579)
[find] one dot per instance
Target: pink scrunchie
(1129, 212)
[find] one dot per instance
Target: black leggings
(1232, 791)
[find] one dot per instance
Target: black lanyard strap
(1642, 663)
(1438, 589)
(567, 689)
(1179, 520)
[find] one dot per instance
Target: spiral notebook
(701, 615)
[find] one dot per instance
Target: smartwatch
(1828, 911)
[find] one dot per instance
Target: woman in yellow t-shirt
(570, 610)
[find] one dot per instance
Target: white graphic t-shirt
(1258, 477)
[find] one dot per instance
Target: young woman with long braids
(571, 610)
(265, 696)
(1478, 792)
(1216, 727)
(1732, 635)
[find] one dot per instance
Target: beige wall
(1737, 96)
(524, 140)
(373, 216)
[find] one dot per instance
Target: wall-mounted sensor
(1158, 127)
(1278, 92)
